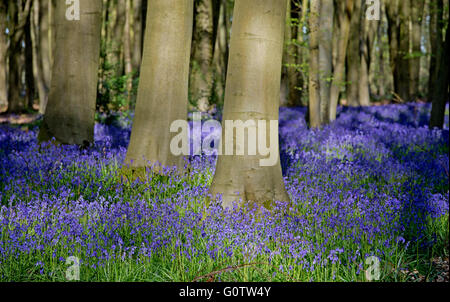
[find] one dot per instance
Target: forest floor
(370, 200)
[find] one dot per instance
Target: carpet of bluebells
(373, 183)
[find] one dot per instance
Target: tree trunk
(43, 42)
(325, 57)
(441, 87)
(137, 34)
(252, 94)
(403, 51)
(18, 12)
(392, 12)
(3, 55)
(314, 83)
(70, 113)
(290, 59)
(354, 57)
(221, 53)
(436, 15)
(417, 8)
(345, 13)
(202, 54)
(116, 25)
(127, 50)
(163, 88)
(368, 34)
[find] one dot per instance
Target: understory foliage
(373, 183)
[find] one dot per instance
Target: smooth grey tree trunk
(163, 87)
(70, 113)
(252, 93)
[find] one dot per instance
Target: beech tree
(252, 94)
(203, 45)
(163, 88)
(69, 116)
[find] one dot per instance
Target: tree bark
(137, 34)
(353, 63)
(404, 51)
(441, 87)
(163, 88)
(69, 117)
(221, 53)
(392, 12)
(417, 8)
(202, 54)
(43, 42)
(325, 57)
(18, 12)
(252, 94)
(290, 59)
(436, 17)
(3, 55)
(314, 82)
(345, 13)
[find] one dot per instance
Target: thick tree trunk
(345, 13)
(325, 57)
(314, 83)
(69, 116)
(163, 88)
(3, 55)
(252, 94)
(29, 73)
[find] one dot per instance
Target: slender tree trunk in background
(345, 13)
(441, 87)
(325, 57)
(221, 53)
(138, 29)
(163, 88)
(18, 11)
(52, 34)
(44, 43)
(127, 50)
(314, 83)
(368, 33)
(417, 8)
(354, 57)
(436, 38)
(115, 31)
(29, 74)
(37, 63)
(290, 58)
(392, 14)
(70, 113)
(301, 58)
(252, 94)
(201, 81)
(403, 51)
(3, 55)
